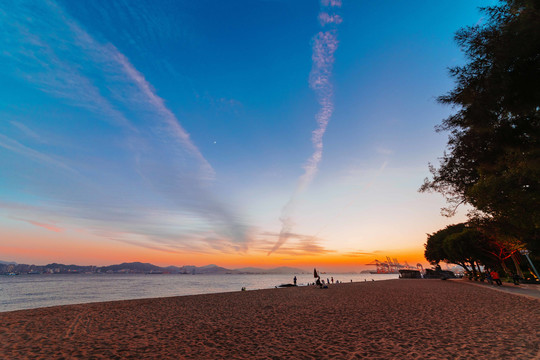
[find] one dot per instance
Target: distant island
(12, 268)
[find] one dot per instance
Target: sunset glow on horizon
(239, 133)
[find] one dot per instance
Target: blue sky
(184, 129)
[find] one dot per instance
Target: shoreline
(180, 296)
(31, 292)
(402, 318)
(526, 290)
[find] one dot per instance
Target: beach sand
(413, 319)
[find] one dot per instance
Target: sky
(240, 133)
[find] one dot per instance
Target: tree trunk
(478, 266)
(518, 268)
(505, 268)
(473, 270)
(464, 266)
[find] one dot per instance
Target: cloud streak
(298, 244)
(45, 226)
(35, 155)
(325, 44)
(165, 114)
(152, 164)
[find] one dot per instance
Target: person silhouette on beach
(489, 278)
(516, 278)
(294, 280)
(496, 278)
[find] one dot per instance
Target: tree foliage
(492, 160)
(460, 244)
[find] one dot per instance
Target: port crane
(390, 266)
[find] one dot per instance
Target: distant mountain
(132, 267)
(208, 269)
(251, 270)
(214, 269)
(137, 268)
(278, 270)
(7, 262)
(63, 268)
(172, 269)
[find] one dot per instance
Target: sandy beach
(413, 319)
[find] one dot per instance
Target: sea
(35, 291)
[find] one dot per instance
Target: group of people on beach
(322, 284)
(319, 282)
(493, 276)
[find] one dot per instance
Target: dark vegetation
(492, 161)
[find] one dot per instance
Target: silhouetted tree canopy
(434, 248)
(460, 244)
(492, 160)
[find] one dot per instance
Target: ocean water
(35, 291)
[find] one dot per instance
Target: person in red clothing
(496, 278)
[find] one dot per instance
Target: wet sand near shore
(413, 319)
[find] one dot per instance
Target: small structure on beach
(437, 273)
(410, 274)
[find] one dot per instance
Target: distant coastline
(12, 268)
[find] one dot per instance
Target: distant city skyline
(239, 133)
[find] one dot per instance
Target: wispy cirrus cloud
(165, 114)
(325, 44)
(15, 146)
(49, 227)
(152, 165)
(362, 253)
(27, 131)
(297, 244)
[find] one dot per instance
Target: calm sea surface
(34, 291)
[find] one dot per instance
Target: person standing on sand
(489, 278)
(496, 278)
(294, 280)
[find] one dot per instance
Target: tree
(434, 247)
(465, 247)
(492, 160)
(468, 246)
(447, 245)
